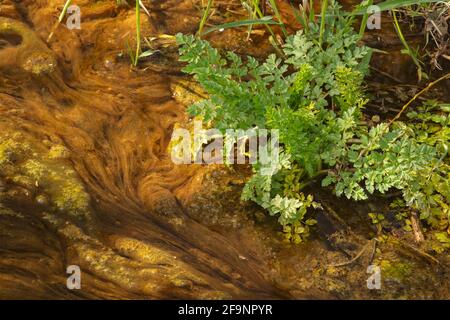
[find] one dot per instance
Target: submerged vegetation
(314, 95)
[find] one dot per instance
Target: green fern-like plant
(315, 98)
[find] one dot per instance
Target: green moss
(398, 271)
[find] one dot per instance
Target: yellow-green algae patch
(33, 55)
(396, 270)
(187, 92)
(27, 162)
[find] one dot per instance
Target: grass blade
(278, 15)
(138, 33)
(393, 4)
(60, 19)
(322, 21)
(408, 49)
(205, 16)
(264, 20)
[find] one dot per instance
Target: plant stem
(322, 21)
(365, 17)
(278, 15)
(138, 33)
(411, 53)
(275, 43)
(205, 17)
(60, 19)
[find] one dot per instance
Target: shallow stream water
(86, 178)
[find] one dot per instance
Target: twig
(417, 230)
(428, 87)
(355, 258)
(421, 253)
(374, 250)
(330, 211)
(386, 74)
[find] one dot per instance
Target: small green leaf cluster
(431, 193)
